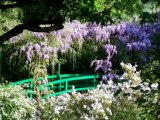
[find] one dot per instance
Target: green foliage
(151, 72)
(14, 105)
(8, 19)
(88, 52)
(150, 108)
(126, 111)
(155, 53)
(103, 11)
(150, 10)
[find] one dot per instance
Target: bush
(14, 105)
(128, 98)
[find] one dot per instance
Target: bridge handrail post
(66, 86)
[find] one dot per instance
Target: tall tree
(55, 12)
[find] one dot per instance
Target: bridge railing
(62, 83)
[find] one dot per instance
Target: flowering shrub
(126, 98)
(143, 96)
(151, 100)
(151, 72)
(114, 100)
(14, 104)
(92, 105)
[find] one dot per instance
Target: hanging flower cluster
(134, 36)
(39, 51)
(105, 64)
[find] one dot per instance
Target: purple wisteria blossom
(106, 64)
(133, 36)
(37, 51)
(40, 35)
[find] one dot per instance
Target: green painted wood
(69, 79)
(61, 82)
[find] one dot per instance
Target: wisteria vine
(134, 36)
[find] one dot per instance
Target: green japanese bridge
(60, 84)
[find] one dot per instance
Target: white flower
(126, 85)
(155, 101)
(120, 85)
(130, 98)
(84, 106)
(154, 86)
(106, 118)
(146, 84)
(110, 82)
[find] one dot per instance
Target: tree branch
(31, 26)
